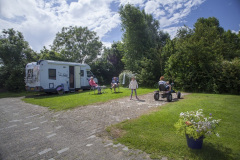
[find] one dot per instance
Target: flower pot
(194, 144)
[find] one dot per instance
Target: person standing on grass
(133, 86)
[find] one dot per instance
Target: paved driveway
(33, 132)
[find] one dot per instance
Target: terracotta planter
(194, 144)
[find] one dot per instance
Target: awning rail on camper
(62, 63)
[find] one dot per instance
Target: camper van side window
(52, 73)
(30, 73)
(89, 73)
(82, 73)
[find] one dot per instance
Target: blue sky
(40, 20)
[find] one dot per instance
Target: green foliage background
(205, 59)
(15, 53)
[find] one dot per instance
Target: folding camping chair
(92, 88)
(115, 82)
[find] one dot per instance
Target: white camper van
(48, 76)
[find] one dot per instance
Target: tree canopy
(77, 44)
(143, 44)
(140, 34)
(110, 64)
(200, 56)
(15, 53)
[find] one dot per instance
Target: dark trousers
(135, 92)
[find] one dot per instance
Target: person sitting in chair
(92, 83)
(167, 85)
(114, 83)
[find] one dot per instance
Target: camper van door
(83, 78)
(71, 76)
(77, 77)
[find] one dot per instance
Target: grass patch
(155, 133)
(72, 100)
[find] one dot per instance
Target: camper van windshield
(89, 73)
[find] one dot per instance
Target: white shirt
(133, 84)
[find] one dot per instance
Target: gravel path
(33, 132)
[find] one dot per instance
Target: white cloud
(171, 12)
(107, 24)
(12, 8)
(151, 7)
(40, 20)
(7, 24)
(134, 2)
(172, 31)
(107, 44)
(236, 32)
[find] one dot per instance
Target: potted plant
(196, 126)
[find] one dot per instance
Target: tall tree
(140, 35)
(77, 44)
(231, 45)
(15, 54)
(109, 65)
(51, 55)
(163, 53)
(153, 64)
(114, 56)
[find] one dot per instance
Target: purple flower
(210, 114)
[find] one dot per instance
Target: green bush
(228, 80)
(15, 80)
(147, 76)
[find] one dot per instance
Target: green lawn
(72, 100)
(156, 135)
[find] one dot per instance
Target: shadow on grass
(165, 100)
(40, 95)
(96, 94)
(175, 99)
(51, 95)
(116, 92)
(9, 94)
(211, 152)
